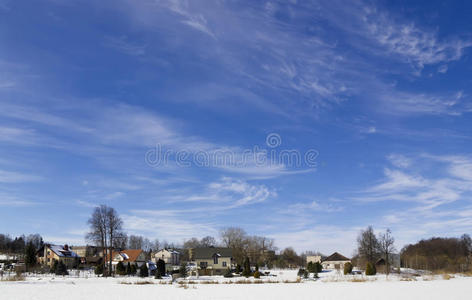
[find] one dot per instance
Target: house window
(215, 259)
(203, 264)
(49, 259)
(224, 264)
(49, 252)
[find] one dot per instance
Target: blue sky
(379, 91)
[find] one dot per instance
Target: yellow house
(47, 254)
(211, 260)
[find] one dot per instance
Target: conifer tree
(161, 268)
(61, 268)
(143, 271)
(347, 268)
(120, 268)
(246, 267)
(370, 269)
(183, 270)
(30, 255)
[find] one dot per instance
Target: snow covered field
(330, 286)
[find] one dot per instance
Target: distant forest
(447, 254)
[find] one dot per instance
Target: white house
(335, 261)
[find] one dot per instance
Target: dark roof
(380, 262)
(202, 253)
(336, 257)
(61, 251)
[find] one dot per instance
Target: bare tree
(387, 247)
(115, 231)
(98, 229)
(208, 241)
(105, 230)
(368, 245)
(236, 239)
(135, 242)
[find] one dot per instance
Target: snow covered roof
(62, 251)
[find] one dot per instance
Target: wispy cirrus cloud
(282, 57)
(122, 44)
(17, 177)
(416, 46)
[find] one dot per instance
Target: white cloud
(234, 192)
(442, 69)
(122, 44)
(421, 47)
(399, 161)
(397, 181)
(16, 177)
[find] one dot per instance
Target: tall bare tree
(387, 247)
(115, 231)
(98, 230)
(236, 239)
(105, 231)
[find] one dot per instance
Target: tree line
(439, 254)
(18, 244)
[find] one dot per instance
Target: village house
(335, 261)
(89, 255)
(170, 256)
(211, 260)
(48, 253)
(132, 256)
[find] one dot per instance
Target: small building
(335, 261)
(133, 256)
(170, 256)
(313, 259)
(211, 260)
(48, 253)
(89, 255)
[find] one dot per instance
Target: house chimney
(66, 247)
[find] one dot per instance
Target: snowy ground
(331, 285)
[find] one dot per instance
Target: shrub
(347, 268)
(228, 273)
(311, 267)
(318, 267)
(61, 268)
(301, 272)
(183, 270)
(247, 268)
(161, 268)
(120, 268)
(239, 269)
(53, 267)
(128, 269)
(133, 269)
(143, 271)
(99, 269)
(370, 269)
(257, 274)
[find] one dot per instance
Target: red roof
(132, 255)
